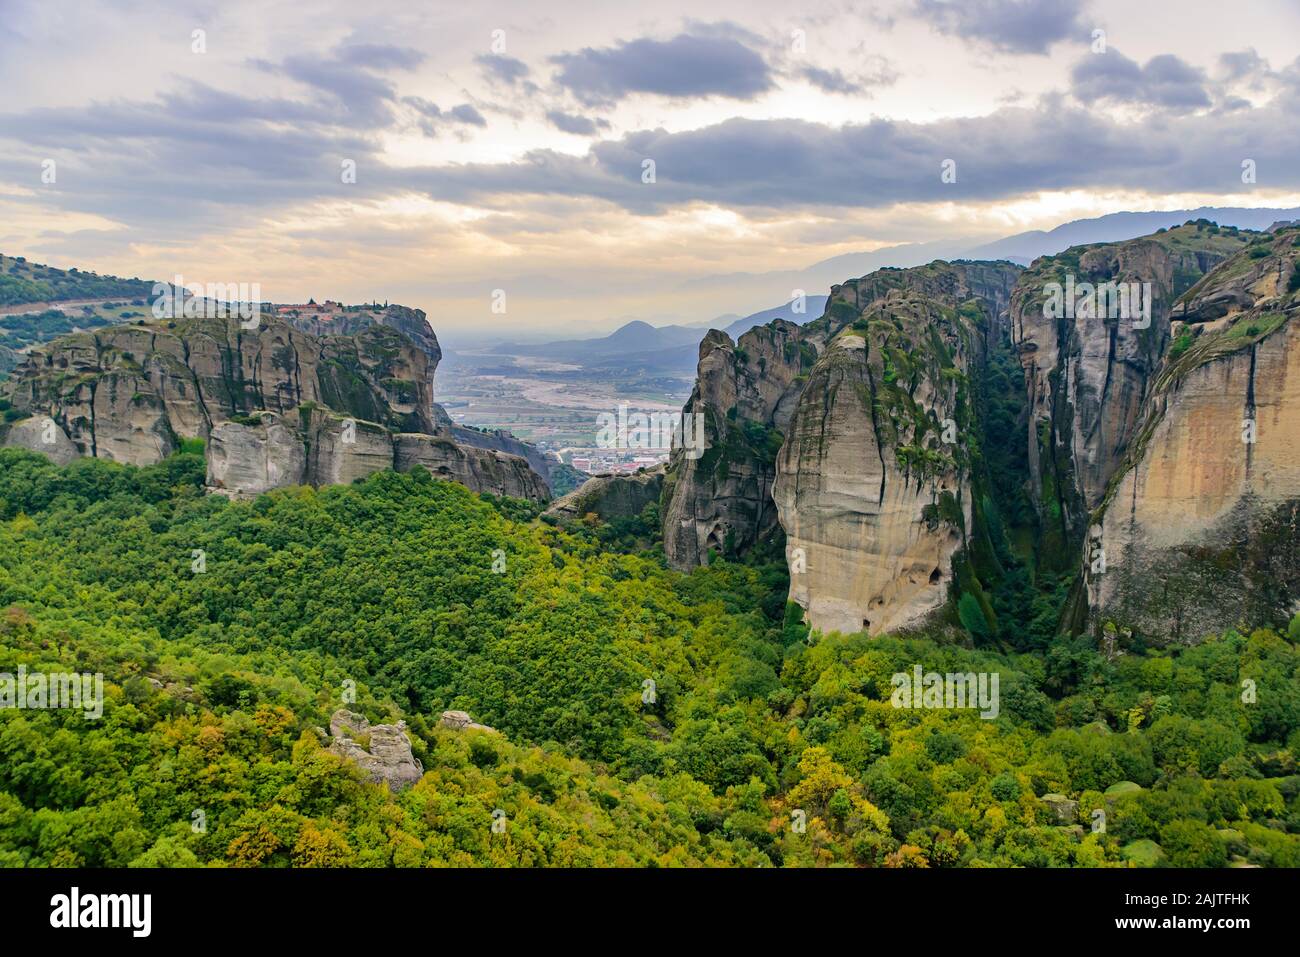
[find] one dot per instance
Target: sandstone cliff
(747, 392)
(324, 448)
(1088, 372)
(130, 393)
(276, 405)
(872, 480)
(1199, 527)
(501, 441)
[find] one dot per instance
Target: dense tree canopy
(227, 631)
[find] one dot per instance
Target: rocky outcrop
(480, 470)
(1199, 527)
(381, 751)
(276, 405)
(247, 460)
(872, 480)
(610, 497)
(40, 434)
(1090, 361)
(747, 392)
(498, 440)
(129, 393)
(412, 323)
(324, 448)
(461, 721)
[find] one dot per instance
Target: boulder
(382, 751)
(42, 434)
(461, 721)
(1066, 810)
(611, 496)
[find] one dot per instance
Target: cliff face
(745, 393)
(411, 323)
(611, 497)
(871, 482)
(324, 448)
(277, 405)
(130, 393)
(499, 441)
(748, 391)
(1090, 363)
(1200, 528)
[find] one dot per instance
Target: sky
(580, 162)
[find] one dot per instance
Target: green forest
(226, 632)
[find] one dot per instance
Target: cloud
(578, 125)
(879, 73)
(1242, 65)
(1165, 81)
(831, 81)
(352, 75)
(791, 164)
(431, 116)
(505, 69)
(1012, 26)
(378, 56)
(688, 65)
(467, 114)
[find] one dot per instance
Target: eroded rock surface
(277, 405)
(610, 497)
(1200, 530)
(872, 480)
(1089, 374)
(382, 751)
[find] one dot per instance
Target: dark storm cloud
(1014, 26)
(1165, 81)
(688, 65)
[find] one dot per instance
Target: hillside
(217, 681)
(25, 282)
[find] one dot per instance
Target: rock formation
(461, 721)
(276, 405)
(498, 440)
(747, 393)
(872, 480)
(609, 497)
(1198, 528)
(325, 448)
(1088, 373)
(130, 393)
(42, 434)
(382, 751)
